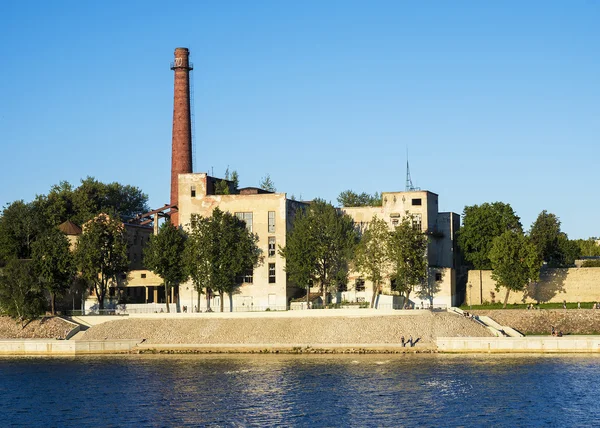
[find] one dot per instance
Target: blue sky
(494, 101)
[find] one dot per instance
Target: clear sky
(494, 100)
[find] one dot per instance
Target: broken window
(359, 285)
(247, 218)
(271, 246)
(271, 221)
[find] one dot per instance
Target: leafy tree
(54, 264)
(319, 247)
(407, 247)
(164, 256)
(553, 245)
(372, 258)
(101, 253)
(588, 247)
(91, 198)
(220, 249)
(20, 224)
(348, 198)
(481, 224)
(515, 261)
(229, 185)
(20, 295)
(267, 184)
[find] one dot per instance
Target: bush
(591, 263)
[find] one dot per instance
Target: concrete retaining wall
(531, 344)
(555, 285)
(64, 347)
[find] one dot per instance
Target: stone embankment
(43, 328)
(330, 330)
(540, 321)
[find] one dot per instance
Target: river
(300, 390)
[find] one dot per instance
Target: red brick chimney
(181, 157)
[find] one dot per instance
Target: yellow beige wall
(556, 285)
(260, 293)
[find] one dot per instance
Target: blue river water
(300, 390)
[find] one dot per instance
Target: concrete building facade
(269, 215)
(440, 228)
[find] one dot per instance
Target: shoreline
(457, 345)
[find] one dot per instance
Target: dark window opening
(271, 273)
(416, 201)
(359, 285)
(193, 191)
(143, 275)
(438, 276)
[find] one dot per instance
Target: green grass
(489, 306)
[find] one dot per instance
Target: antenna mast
(409, 183)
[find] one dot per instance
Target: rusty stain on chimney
(181, 155)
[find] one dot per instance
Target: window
(271, 246)
(342, 287)
(416, 201)
(438, 276)
(416, 221)
(359, 285)
(246, 278)
(271, 221)
(271, 273)
(193, 191)
(246, 217)
(143, 275)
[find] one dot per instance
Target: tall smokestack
(181, 156)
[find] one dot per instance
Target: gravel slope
(44, 328)
(337, 330)
(570, 321)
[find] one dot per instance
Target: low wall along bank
(555, 285)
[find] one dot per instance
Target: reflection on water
(302, 390)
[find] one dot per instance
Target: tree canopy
(53, 263)
(219, 250)
(319, 247)
(515, 261)
(267, 184)
(101, 253)
(407, 247)
(372, 255)
(21, 296)
(349, 198)
(481, 224)
(164, 256)
(552, 244)
(20, 224)
(91, 198)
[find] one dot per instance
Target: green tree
(481, 224)
(349, 198)
(228, 186)
(101, 253)
(220, 250)
(588, 247)
(372, 257)
(164, 256)
(20, 294)
(319, 247)
(20, 224)
(267, 184)
(91, 198)
(54, 264)
(552, 244)
(407, 247)
(515, 262)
